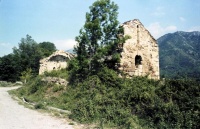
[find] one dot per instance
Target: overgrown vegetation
(9, 84)
(179, 55)
(96, 94)
(5, 84)
(99, 41)
(108, 100)
(25, 57)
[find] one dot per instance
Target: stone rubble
(55, 80)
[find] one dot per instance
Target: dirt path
(15, 116)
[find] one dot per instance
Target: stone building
(56, 61)
(140, 55)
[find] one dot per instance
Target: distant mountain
(70, 51)
(180, 54)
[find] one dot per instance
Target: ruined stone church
(58, 60)
(140, 55)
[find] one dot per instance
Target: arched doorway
(138, 60)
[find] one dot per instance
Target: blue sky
(59, 21)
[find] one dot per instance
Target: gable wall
(142, 44)
(58, 60)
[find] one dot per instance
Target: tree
(24, 58)
(99, 40)
(8, 69)
(28, 54)
(47, 48)
(26, 75)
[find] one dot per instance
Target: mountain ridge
(180, 54)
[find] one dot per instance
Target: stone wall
(140, 56)
(56, 61)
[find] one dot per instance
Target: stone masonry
(140, 55)
(56, 61)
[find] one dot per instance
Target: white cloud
(182, 19)
(195, 28)
(170, 28)
(65, 44)
(5, 48)
(159, 11)
(157, 30)
(4, 44)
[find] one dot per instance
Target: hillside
(179, 54)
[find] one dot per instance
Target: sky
(59, 21)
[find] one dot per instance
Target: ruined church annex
(140, 55)
(58, 60)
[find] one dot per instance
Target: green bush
(35, 85)
(39, 106)
(57, 88)
(116, 101)
(99, 100)
(63, 73)
(5, 84)
(108, 100)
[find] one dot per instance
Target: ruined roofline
(58, 52)
(137, 21)
(131, 21)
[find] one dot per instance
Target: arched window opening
(138, 60)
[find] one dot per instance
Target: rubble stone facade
(56, 61)
(140, 55)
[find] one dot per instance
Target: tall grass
(8, 84)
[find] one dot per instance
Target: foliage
(39, 106)
(99, 40)
(26, 56)
(181, 103)
(108, 100)
(179, 55)
(35, 86)
(172, 105)
(5, 84)
(96, 94)
(63, 73)
(9, 68)
(47, 48)
(26, 75)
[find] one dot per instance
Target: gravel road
(15, 116)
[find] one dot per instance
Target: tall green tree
(99, 40)
(9, 68)
(47, 48)
(28, 54)
(25, 59)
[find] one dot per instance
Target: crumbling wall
(140, 56)
(56, 61)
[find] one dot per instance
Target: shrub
(39, 106)
(5, 84)
(137, 102)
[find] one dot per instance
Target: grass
(9, 84)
